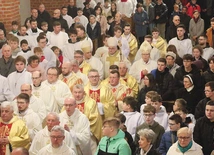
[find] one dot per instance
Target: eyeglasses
(183, 138)
(148, 115)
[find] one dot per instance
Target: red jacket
(191, 8)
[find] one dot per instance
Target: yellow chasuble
(106, 81)
(133, 45)
(84, 67)
(161, 45)
(105, 96)
(17, 134)
(131, 82)
(71, 81)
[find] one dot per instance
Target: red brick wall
(9, 11)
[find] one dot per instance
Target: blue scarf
(185, 149)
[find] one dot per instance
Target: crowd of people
(94, 79)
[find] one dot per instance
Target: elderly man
(101, 94)
(68, 76)
(77, 124)
(44, 93)
(57, 146)
(43, 13)
(35, 16)
(172, 29)
(113, 57)
(26, 114)
(20, 151)
(42, 138)
(7, 65)
(59, 88)
(14, 132)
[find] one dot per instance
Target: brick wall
(9, 11)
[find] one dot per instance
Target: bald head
(176, 20)
(37, 78)
(26, 88)
(20, 151)
(56, 13)
(70, 100)
(70, 105)
(66, 68)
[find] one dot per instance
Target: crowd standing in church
(109, 77)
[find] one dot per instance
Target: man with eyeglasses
(44, 93)
(57, 146)
(149, 116)
(204, 129)
(78, 126)
(208, 51)
(42, 138)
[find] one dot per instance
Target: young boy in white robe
(43, 62)
(25, 49)
(133, 118)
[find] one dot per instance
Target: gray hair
(6, 45)
(78, 86)
(7, 103)
(92, 70)
(148, 134)
(185, 130)
(74, 61)
(58, 128)
(53, 114)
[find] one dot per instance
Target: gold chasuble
(17, 134)
(161, 45)
(84, 67)
(104, 95)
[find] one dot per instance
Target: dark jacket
(95, 33)
(208, 76)
(161, 11)
(203, 134)
(88, 12)
(72, 11)
(64, 24)
(113, 24)
(150, 12)
(200, 108)
(152, 151)
(7, 67)
(164, 82)
(185, 19)
(171, 32)
(45, 16)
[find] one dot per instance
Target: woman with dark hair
(149, 85)
(113, 10)
(172, 48)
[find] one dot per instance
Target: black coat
(45, 16)
(200, 108)
(112, 25)
(203, 134)
(95, 33)
(171, 32)
(208, 76)
(72, 11)
(63, 22)
(161, 11)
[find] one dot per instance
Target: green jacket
(116, 144)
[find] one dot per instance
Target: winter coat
(161, 11)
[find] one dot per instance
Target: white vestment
(96, 64)
(69, 49)
(25, 55)
(5, 93)
(60, 91)
(58, 40)
(101, 51)
(125, 46)
(69, 20)
(183, 46)
(62, 150)
(32, 121)
(162, 118)
(83, 20)
(140, 65)
(46, 95)
(33, 36)
(15, 80)
(92, 4)
(154, 54)
(133, 120)
(42, 138)
(83, 77)
(26, 37)
(79, 130)
(208, 53)
(126, 8)
(80, 4)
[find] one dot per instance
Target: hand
(66, 128)
(157, 17)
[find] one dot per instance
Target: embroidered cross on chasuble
(4, 132)
(112, 59)
(95, 94)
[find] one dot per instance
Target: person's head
(78, 55)
(176, 8)
(98, 10)
(172, 48)
(147, 137)
(202, 40)
(148, 38)
(66, 68)
(111, 126)
(71, 2)
(41, 40)
(52, 119)
(56, 27)
(22, 30)
(57, 136)
(34, 13)
(79, 11)
(209, 89)
(14, 43)
(69, 105)
(24, 45)
(86, 49)
(33, 24)
(127, 29)
(6, 111)
(92, 19)
(149, 114)
(179, 104)
(6, 51)
(183, 113)
(52, 74)
(41, 8)
(184, 136)
(27, 23)
(26, 89)
(33, 61)
(161, 64)
(64, 10)
(159, 2)
(23, 101)
(184, 10)
(15, 26)
(117, 17)
(193, 1)
(20, 63)
(209, 110)
(2, 35)
(149, 80)
(112, 45)
(212, 22)
(93, 76)
(176, 20)
(129, 104)
(122, 119)
(80, 30)
(105, 40)
(44, 26)
(114, 78)
(20, 151)
(118, 31)
(123, 68)
(56, 50)
(175, 122)
(73, 35)
(36, 78)
(188, 81)
(155, 33)
(139, 7)
(170, 58)
(113, 6)
(197, 51)
(74, 65)
(187, 60)
(196, 14)
(156, 101)
(38, 52)
(113, 67)
(145, 50)
(56, 14)
(110, 19)
(181, 30)
(78, 92)
(148, 96)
